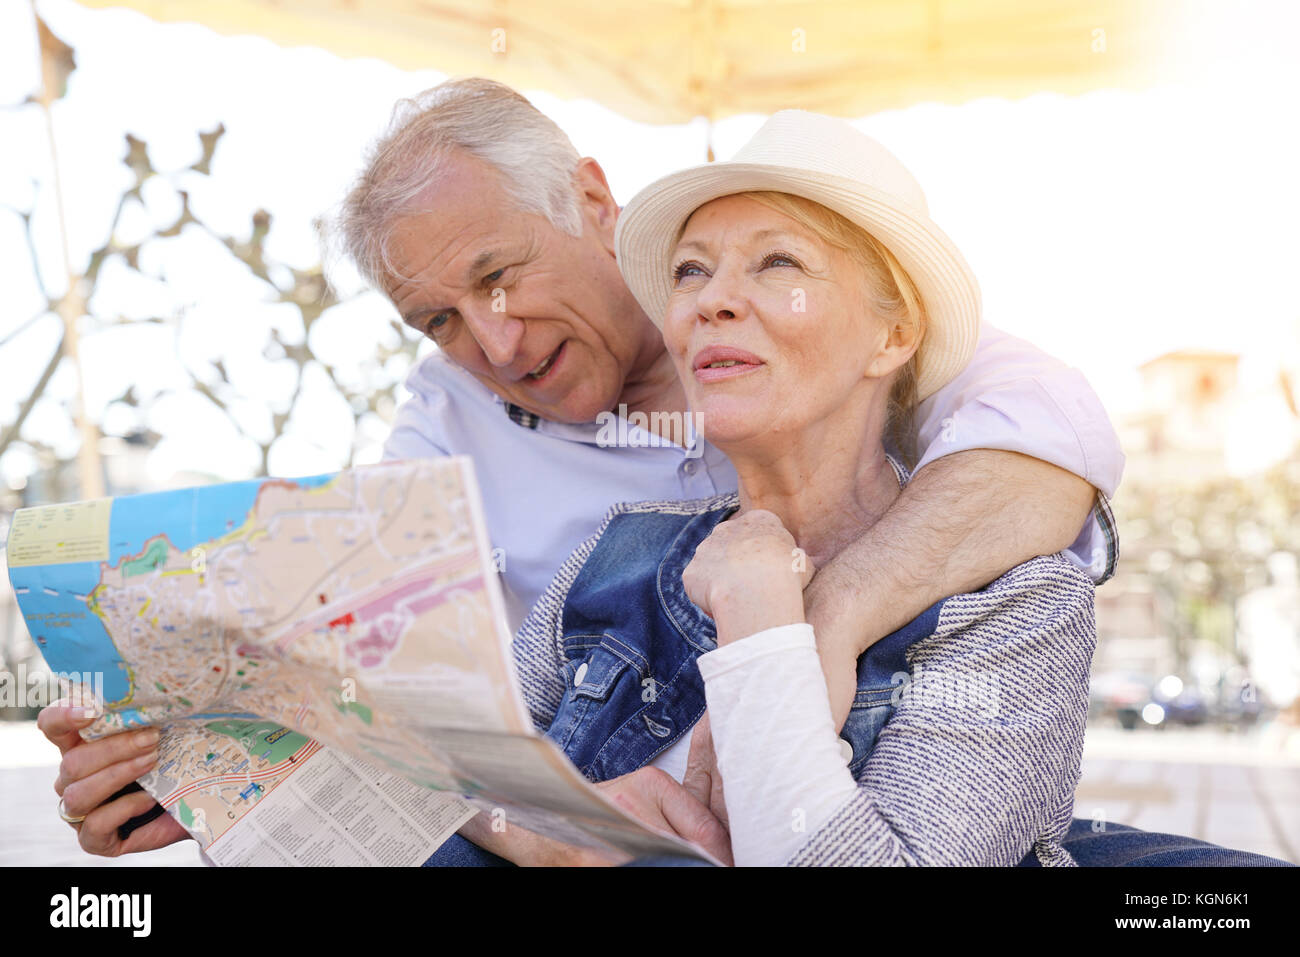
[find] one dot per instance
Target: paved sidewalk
(1232, 791)
(1236, 791)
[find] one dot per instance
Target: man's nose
(496, 333)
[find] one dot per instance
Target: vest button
(846, 749)
(580, 674)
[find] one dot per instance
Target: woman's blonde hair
(890, 291)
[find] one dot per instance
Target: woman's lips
(727, 372)
(723, 362)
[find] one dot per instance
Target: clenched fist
(748, 576)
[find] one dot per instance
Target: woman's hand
(748, 576)
(93, 771)
(745, 576)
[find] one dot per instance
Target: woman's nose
(722, 297)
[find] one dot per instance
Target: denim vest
(630, 637)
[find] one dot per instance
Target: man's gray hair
(481, 117)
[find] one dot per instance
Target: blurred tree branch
(306, 290)
(25, 409)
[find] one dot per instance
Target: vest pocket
(593, 666)
(594, 703)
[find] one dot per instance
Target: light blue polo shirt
(546, 485)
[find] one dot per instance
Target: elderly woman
(808, 303)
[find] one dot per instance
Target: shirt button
(580, 674)
(689, 468)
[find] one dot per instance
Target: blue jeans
(1117, 846)
(1122, 846)
(458, 852)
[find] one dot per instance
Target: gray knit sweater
(980, 759)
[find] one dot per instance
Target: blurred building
(1200, 419)
(1131, 634)
(1269, 630)
(1211, 490)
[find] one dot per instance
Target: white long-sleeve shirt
(784, 772)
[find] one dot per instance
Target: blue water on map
(52, 597)
(132, 718)
(71, 637)
(188, 517)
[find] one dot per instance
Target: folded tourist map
(327, 659)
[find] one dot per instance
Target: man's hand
(529, 849)
(649, 795)
(702, 777)
(92, 771)
(656, 800)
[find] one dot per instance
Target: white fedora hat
(830, 162)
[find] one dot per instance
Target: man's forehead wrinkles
(413, 275)
(434, 260)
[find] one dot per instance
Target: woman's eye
(493, 276)
(779, 259)
(688, 268)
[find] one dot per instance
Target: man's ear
(599, 210)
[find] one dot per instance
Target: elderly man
(492, 237)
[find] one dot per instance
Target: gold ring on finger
(63, 813)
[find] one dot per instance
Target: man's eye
(436, 322)
(492, 276)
